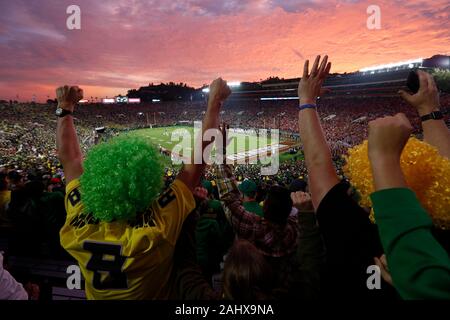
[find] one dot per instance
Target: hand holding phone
(425, 97)
(413, 82)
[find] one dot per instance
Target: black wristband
(436, 115)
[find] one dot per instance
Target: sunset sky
(126, 44)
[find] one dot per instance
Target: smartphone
(413, 82)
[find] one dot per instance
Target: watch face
(62, 112)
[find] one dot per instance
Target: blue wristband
(307, 106)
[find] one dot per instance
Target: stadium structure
(377, 81)
(371, 82)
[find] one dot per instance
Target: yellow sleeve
(72, 200)
(172, 208)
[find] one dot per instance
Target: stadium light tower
(234, 84)
(409, 63)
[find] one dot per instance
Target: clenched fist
(218, 92)
(387, 137)
(68, 96)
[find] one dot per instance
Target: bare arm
(435, 132)
(69, 151)
(387, 138)
(310, 248)
(322, 175)
(192, 172)
(403, 224)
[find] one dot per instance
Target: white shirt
(10, 289)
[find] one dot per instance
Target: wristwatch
(436, 115)
(60, 112)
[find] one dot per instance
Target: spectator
(349, 237)
(210, 235)
(247, 275)
(140, 236)
(10, 289)
(274, 235)
(15, 180)
(419, 266)
(248, 190)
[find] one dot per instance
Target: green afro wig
(121, 178)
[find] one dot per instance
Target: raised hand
(388, 136)
(310, 86)
(384, 269)
(426, 100)
(68, 96)
(218, 93)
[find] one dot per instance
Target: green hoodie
(419, 266)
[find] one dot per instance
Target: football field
(180, 139)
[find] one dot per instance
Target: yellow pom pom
(426, 172)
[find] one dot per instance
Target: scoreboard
(121, 100)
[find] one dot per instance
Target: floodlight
(393, 65)
(279, 98)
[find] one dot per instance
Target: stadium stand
(34, 176)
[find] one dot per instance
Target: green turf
(163, 136)
(291, 157)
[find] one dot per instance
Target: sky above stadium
(126, 44)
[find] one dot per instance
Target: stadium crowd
(220, 232)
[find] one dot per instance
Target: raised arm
(419, 266)
(310, 249)
(218, 93)
(387, 138)
(322, 175)
(426, 101)
(69, 151)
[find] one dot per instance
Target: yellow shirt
(5, 199)
(127, 260)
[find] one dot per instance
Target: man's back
(127, 260)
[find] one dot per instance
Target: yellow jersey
(127, 259)
(5, 199)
